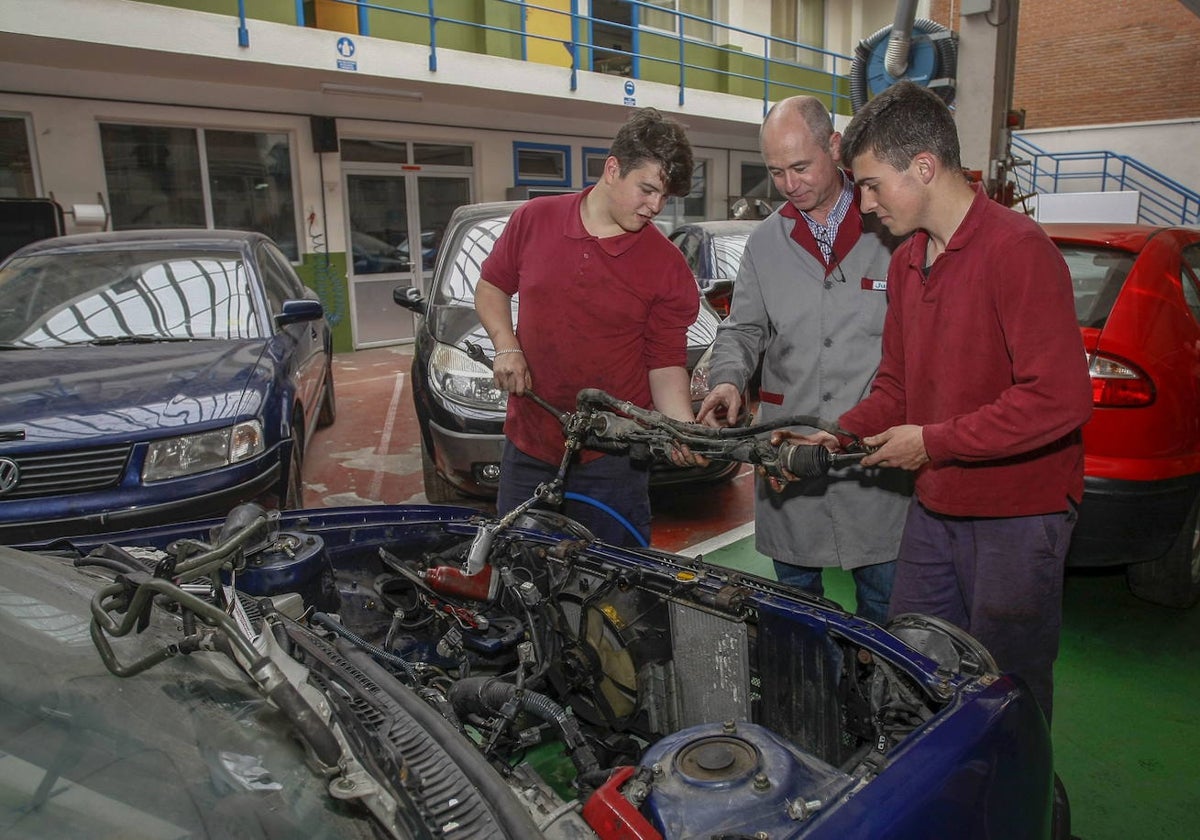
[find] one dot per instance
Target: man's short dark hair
(900, 123)
(648, 137)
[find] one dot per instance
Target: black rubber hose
(312, 728)
(486, 695)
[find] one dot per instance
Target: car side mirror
(299, 311)
(410, 298)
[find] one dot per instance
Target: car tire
(438, 491)
(294, 499)
(1172, 580)
(1060, 821)
(328, 411)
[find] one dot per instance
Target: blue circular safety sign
(628, 88)
(345, 47)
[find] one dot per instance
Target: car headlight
(461, 379)
(202, 452)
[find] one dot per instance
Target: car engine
(613, 693)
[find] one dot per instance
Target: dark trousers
(872, 585)
(610, 480)
(999, 579)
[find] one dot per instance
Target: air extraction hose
(866, 81)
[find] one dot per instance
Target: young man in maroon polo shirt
(982, 389)
(605, 302)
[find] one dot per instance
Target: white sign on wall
(1117, 207)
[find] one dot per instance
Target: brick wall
(1103, 61)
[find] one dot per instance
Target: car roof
(226, 239)
(486, 209)
(722, 227)
(1127, 237)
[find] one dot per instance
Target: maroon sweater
(594, 313)
(985, 354)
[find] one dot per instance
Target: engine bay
(614, 692)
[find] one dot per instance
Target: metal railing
(1163, 200)
(691, 64)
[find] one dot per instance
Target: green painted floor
(1126, 705)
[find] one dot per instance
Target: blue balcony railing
(639, 52)
(1163, 200)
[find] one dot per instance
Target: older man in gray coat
(809, 300)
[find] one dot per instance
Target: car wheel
(438, 491)
(1172, 580)
(328, 411)
(294, 500)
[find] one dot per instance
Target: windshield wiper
(139, 339)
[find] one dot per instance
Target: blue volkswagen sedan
(150, 375)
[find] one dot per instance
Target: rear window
(1097, 275)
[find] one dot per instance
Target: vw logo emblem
(10, 474)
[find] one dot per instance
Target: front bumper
(1129, 521)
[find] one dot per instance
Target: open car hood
(614, 689)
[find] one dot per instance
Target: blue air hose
(588, 500)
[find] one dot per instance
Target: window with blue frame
(593, 164)
(541, 164)
(666, 17)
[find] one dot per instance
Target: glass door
(395, 220)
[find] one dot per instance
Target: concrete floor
(371, 455)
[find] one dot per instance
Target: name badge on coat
(870, 285)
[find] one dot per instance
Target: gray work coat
(818, 331)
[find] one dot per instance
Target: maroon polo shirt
(593, 313)
(985, 353)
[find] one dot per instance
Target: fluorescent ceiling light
(363, 90)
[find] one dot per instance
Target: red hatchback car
(1137, 298)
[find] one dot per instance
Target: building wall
(1155, 144)
(1088, 62)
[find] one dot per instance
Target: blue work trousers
(872, 585)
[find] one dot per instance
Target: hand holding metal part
(604, 422)
(608, 423)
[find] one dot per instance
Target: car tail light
(1118, 384)
(720, 302)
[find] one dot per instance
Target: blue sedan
(152, 375)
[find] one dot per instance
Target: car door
(307, 362)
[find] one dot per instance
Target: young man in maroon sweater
(982, 389)
(606, 302)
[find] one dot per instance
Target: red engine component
(452, 581)
(614, 817)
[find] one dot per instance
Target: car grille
(61, 473)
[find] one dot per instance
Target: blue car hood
(129, 392)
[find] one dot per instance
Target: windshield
(1097, 275)
(52, 300)
(186, 749)
(727, 255)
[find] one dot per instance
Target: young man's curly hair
(647, 137)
